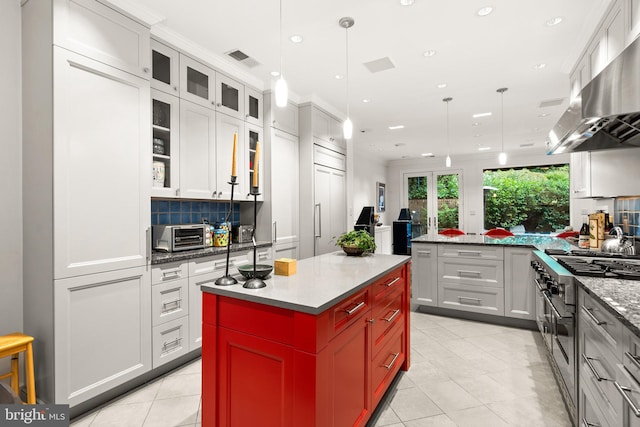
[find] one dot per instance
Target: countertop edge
(167, 257)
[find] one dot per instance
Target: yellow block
(285, 266)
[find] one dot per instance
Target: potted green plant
(356, 242)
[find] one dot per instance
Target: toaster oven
(173, 238)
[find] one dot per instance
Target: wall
(471, 167)
(368, 171)
(10, 169)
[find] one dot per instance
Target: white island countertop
(319, 283)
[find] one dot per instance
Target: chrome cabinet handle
(275, 231)
(469, 273)
(175, 88)
(586, 423)
(173, 274)
(592, 316)
(424, 252)
(393, 282)
(555, 311)
(592, 368)
(393, 361)
(393, 316)
(477, 300)
(146, 69)
(177, 302)
(633, 358)
(170, 344)
(148, 241)
(354, 309)
(463, 252)
(622, 390)
(319, 220)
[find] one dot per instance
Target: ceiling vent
(551, 103)
(243, 58)
(378, 65)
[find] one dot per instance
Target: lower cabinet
(298, 369)
(425, 274)
(102, 325)
(519, 294)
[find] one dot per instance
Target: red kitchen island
(318, 348)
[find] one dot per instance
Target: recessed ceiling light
(539, 66)
(478, 115)
(554, 21)
(407, 2)
(296, 38)
(484, 148)
(441, 85)
(275, 73)
(396, 127)
(485, 11)
(543, 115)
(366, 100)
(477, 135)
(429, 53)
(427, 154)
(339, 77)
(476, 124)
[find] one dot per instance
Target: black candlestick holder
(254, 283)
(228, 280)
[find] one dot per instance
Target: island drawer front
(170, 340)
(276, 324)
(477, 299)
(348, 311)
(478, 272)
(388, 283)
(386, 364)
(471, 251)
(602, 321)
(387, 320)
(169, 301)
(161, 273)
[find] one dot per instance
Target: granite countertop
(165, 257)
(540, 242)
(621, 297)
(319, 283)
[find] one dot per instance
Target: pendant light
(502, 157)
(447, 162)
(346, 23)
(282, 91)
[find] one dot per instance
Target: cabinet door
(614, 28)
(96, 31)
(425, 274)
(330, 207)
(253, 107)
(165, 125)
(633, 11)
(519, 290)
(321, 124)
(165, 68)
(285, 250)
(253, 135)
(101, 155)
(284, 188)
(270, 392)
(102, 326)
(580, 174)
(197, 82)
(229, 96)
(226, 126)
(349, 374)
(285, 118)
(197, 151)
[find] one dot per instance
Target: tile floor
(463, 373)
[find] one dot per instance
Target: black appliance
(405, 229)
(366, 222)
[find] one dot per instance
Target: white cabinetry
(281, 118)
(330, 207)
(383, 240)
(284, 191)
(165, 125)
(197, 151)
(519, 294)
(424, 272)
(229, 96)
(327, 131)
(197, 82)
(580, 174)
(253, 107)
(165, 69)
(226, 127)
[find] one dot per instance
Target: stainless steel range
(556, 318)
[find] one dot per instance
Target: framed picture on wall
(380, 197)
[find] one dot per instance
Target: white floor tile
(449, 396)
(413, 403)
(146, 393)
(179, 411)
(179, 386)
(84, 420)
(387, 417)
(435, 421)
(480, 416)
(131, 415)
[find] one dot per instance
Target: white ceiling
(475, 56)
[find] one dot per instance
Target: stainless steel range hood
(606, 115)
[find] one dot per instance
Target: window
(527, 200)
(434, 200)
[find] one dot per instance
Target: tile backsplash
(171, 211)
(627, 215)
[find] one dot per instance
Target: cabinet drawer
(482, 272)
(329, 158)
(598, 371)
(170, 340)
(386, 364)
(389, 283)
(387, 319)
(216, 264)
(590, 414)
(478, 299)
(161, 273)
(602, 321)
(346, 312)
(631, 387)
(471, 251)
(169, 301)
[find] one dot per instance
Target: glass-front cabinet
(229, 96)
(253, 106)
(165, 145)
(165, 68)
(254, 135)
(197, 82)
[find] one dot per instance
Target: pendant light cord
(347, 62)
(280, 40)
(502, 118)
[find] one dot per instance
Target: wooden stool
(12, 345)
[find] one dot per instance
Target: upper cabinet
(80, 25)
(165, 126)
(253, 107)
(197, 82)
(282, 118)
(165, 66)
(197, 151)
(229, 96)
(328, 131)
(633, 13)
